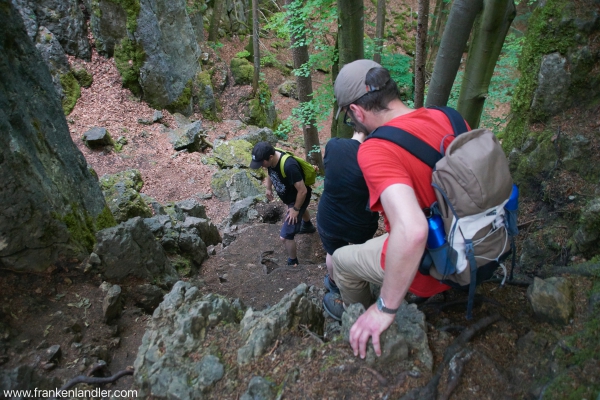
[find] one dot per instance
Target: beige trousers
(357, 265)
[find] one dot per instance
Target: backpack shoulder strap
(284, 157)
(408, 142)
(458, 123)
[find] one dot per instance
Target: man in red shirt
(400, 188)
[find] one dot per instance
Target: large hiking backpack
(472, 184)
(308, 170)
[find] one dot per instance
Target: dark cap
(261, 152)
(350, 84)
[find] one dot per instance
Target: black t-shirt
(343, 207)
(285, 186)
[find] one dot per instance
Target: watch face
(380, 304)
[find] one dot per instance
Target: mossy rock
(233, 154)
(242, 71)
(84, 78)
(183, 104)
(121, 191)
(129, 58)
(71, 92)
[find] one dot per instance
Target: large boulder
(155, 49)
(164, 366)
(235, 184)
(122, 193)
(130, 250)
(51, 202)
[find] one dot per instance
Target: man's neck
(275, 159)
(396, 108)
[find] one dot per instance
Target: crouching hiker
(290, 188)
(400, 187)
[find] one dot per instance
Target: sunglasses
(348, 120)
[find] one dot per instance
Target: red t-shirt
(384, 163)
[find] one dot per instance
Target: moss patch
(71, 92)
(547, 33)
(242, 71)
(183, 102)
(84, 78)
(132, 8)
(129, 58)
(105, 219)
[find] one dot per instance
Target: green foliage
(71, 92)
(242, 71)
(243, 54)
(129, 58)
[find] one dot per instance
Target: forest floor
(512, 358)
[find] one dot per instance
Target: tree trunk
(421, 52)
(334, 73)
(456, 34)
(350, 42)
(215, 22)
(312, 146)
(438, 22)
(488, 37)
(256, 46)
(379, 31)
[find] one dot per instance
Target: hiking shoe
(330, 285)
(333, 304)
(292, 261)
(307, 227)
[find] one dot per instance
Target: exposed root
(429, 391)
(93, 380)
(456, 367)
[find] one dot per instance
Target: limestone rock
(235, 184)
(112, 304)
(551, 299)
(121, 191)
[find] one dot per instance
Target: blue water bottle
(437, 234)
(513, 201)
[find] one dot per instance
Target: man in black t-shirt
(291, 190)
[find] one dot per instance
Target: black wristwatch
(381, 307)
(295, 209)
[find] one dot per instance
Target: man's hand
(370, 324)
(292, 216)
(270, 194)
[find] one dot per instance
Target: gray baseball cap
(350, 84)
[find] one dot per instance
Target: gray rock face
(288, 88)
(108, 23)
(260, 329)
(163, 366)
(130, 249)
(235, 184)
(404, 342)
(167, 37)
(232, 154)
(112, 303)
(551, 299)
(54, 56)
(50, 200)
(587, 234)
(256, 135)
(259, 389)
(554, 80)
(66, 20)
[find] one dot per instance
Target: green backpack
(308, 170)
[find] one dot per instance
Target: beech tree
(350, 44)
(256, 47)
(456, 34)
(379, 31)
(489, 34)
(438, 22)
(420, 54)
(312, 146)
(213, 29)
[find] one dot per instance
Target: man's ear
(357, 112)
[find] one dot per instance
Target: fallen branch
(274, 347)
(429, 391)
(93, 380)
(305, 329)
